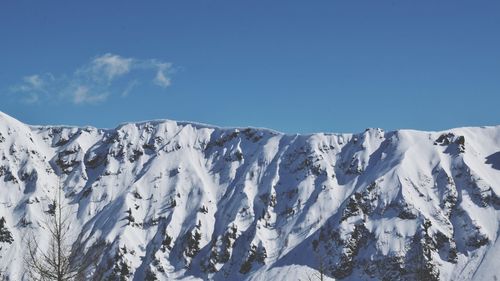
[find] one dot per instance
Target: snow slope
(183, 201)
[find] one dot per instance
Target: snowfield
(166, 200)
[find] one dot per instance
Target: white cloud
(83, 95)
(102, 77)
(111, 66)
(33, 81)
(129, 88)
(32, 88)
(161, 78)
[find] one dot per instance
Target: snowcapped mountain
(166, 200)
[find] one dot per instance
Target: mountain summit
(165, 200)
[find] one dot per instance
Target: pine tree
(5, 235)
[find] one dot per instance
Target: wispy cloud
(82, 95)
(99, 79)
(33, 82)
(162, 78)
(111, 66)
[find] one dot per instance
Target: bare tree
(55, 262)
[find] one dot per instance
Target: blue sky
(294, 66)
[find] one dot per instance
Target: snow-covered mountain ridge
(176, 201)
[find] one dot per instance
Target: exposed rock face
(163, 200)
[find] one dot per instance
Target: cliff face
(171, 200)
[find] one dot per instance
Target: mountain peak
(181, 200)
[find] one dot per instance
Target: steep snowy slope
(166, 200)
